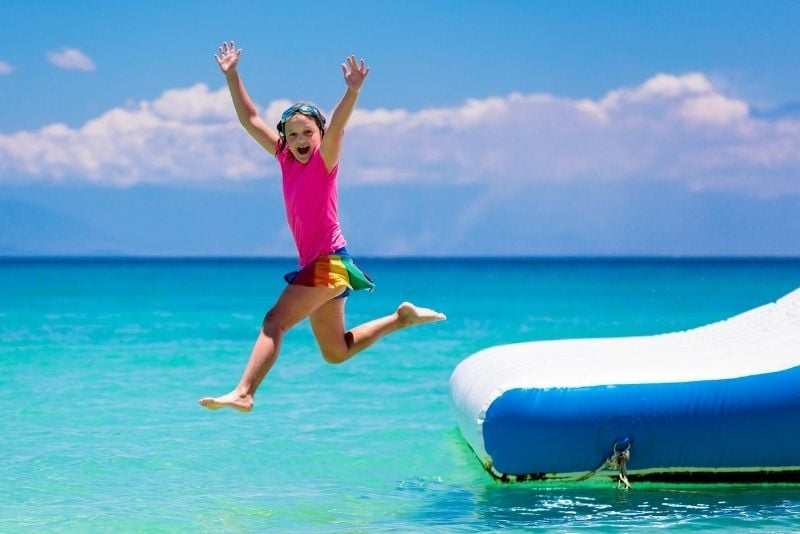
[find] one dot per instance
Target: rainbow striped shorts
(334, 270)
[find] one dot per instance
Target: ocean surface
(102, 362)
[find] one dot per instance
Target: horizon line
(242, 257)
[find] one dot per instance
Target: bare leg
(294, 304)
(338, 346)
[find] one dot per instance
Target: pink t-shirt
(312, 205)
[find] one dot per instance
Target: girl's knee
(272, 325)
(337, 352)
(333, 356)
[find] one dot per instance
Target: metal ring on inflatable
(716, 403)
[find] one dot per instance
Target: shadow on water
(600, 505)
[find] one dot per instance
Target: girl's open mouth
(303, 150)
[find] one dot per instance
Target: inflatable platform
(716, 403)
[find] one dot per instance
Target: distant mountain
(47, 219)
(642, 218)
(30, 229)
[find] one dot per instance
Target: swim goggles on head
(306, 109)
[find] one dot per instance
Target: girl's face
(302, 136)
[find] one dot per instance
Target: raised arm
(228, 60)
(354, 75)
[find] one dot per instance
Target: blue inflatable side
(747, 423)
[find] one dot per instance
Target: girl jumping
(308, 154)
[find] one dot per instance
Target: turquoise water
(102, 362)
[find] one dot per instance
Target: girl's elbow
(250, 120)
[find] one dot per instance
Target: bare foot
(239, 402)
(411, 315)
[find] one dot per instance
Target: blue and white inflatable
(720, 402)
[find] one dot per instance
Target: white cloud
(5, 68)
(145, 142)
(714, 108)
(194, 103)
(71, 59)
(670, 128)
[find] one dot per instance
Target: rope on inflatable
(618, 460)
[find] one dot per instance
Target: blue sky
(485, 128)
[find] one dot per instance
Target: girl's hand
(354, 73)
(228, 58)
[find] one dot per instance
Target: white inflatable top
(761, 340)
